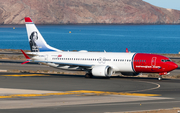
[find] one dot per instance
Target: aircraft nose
(173, 66)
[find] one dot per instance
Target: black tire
(88, 75)
(160, 78)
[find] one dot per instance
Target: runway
(73, 93)
(33, 92)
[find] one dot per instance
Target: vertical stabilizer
(36, 41)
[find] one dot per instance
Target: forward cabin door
(153, 61)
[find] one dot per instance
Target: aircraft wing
(74, 64)
(56, 64)
(71, 65)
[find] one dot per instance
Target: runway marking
(77, 93)
(36, 95)
(26, 75)
(158, 86)
(114, 93)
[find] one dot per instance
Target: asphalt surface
(168, 91)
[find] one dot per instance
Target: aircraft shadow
(83, 76)
(19, 62)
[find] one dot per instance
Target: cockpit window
(167, 60)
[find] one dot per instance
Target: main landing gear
(88, 75)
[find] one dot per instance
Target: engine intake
(105, 71)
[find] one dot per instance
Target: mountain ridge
(86, 12)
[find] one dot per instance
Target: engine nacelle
(105, 71)
(129, 74)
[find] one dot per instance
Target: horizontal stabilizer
(26, 56)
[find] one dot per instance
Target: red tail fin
(28, 19)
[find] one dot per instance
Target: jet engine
(129, 74)
(104, 71)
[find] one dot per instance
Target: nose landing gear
(160, 75)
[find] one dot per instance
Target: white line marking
(158, 86)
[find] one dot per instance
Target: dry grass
(47, 72)
(175, 110)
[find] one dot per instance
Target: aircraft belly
(124, 67)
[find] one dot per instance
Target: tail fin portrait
(36, 41)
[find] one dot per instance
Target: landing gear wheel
(88, 75)
(108, 77)
(160, 78)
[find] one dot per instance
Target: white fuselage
(118, 61)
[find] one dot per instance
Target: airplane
(102, 64)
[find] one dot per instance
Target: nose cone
(173, 66)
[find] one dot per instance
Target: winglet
(127, 50)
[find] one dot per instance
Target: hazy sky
(170, 4)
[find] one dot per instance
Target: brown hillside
(85, 11)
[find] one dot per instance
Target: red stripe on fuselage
(152, 63)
